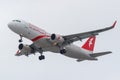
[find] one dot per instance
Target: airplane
(63, 44)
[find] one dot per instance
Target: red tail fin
(89, 45)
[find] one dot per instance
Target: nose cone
(11, 25)
(16, 26)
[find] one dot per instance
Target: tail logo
(90, 42)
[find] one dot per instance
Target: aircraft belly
(47, 46)
(73, 51)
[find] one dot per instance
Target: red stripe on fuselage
(40, 37)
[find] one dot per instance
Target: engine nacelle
(25, 48)
(56, 39)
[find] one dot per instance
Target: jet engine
(26, 49)
(56, 39)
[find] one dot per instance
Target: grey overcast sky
(62, 17)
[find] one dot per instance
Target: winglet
(114, 24)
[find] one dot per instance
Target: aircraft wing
(100, 54)
(75, 37)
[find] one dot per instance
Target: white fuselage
(40, 39)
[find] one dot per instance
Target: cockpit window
(16, 20)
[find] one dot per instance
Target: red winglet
(114, 24)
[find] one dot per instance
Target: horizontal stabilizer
(100, 54)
